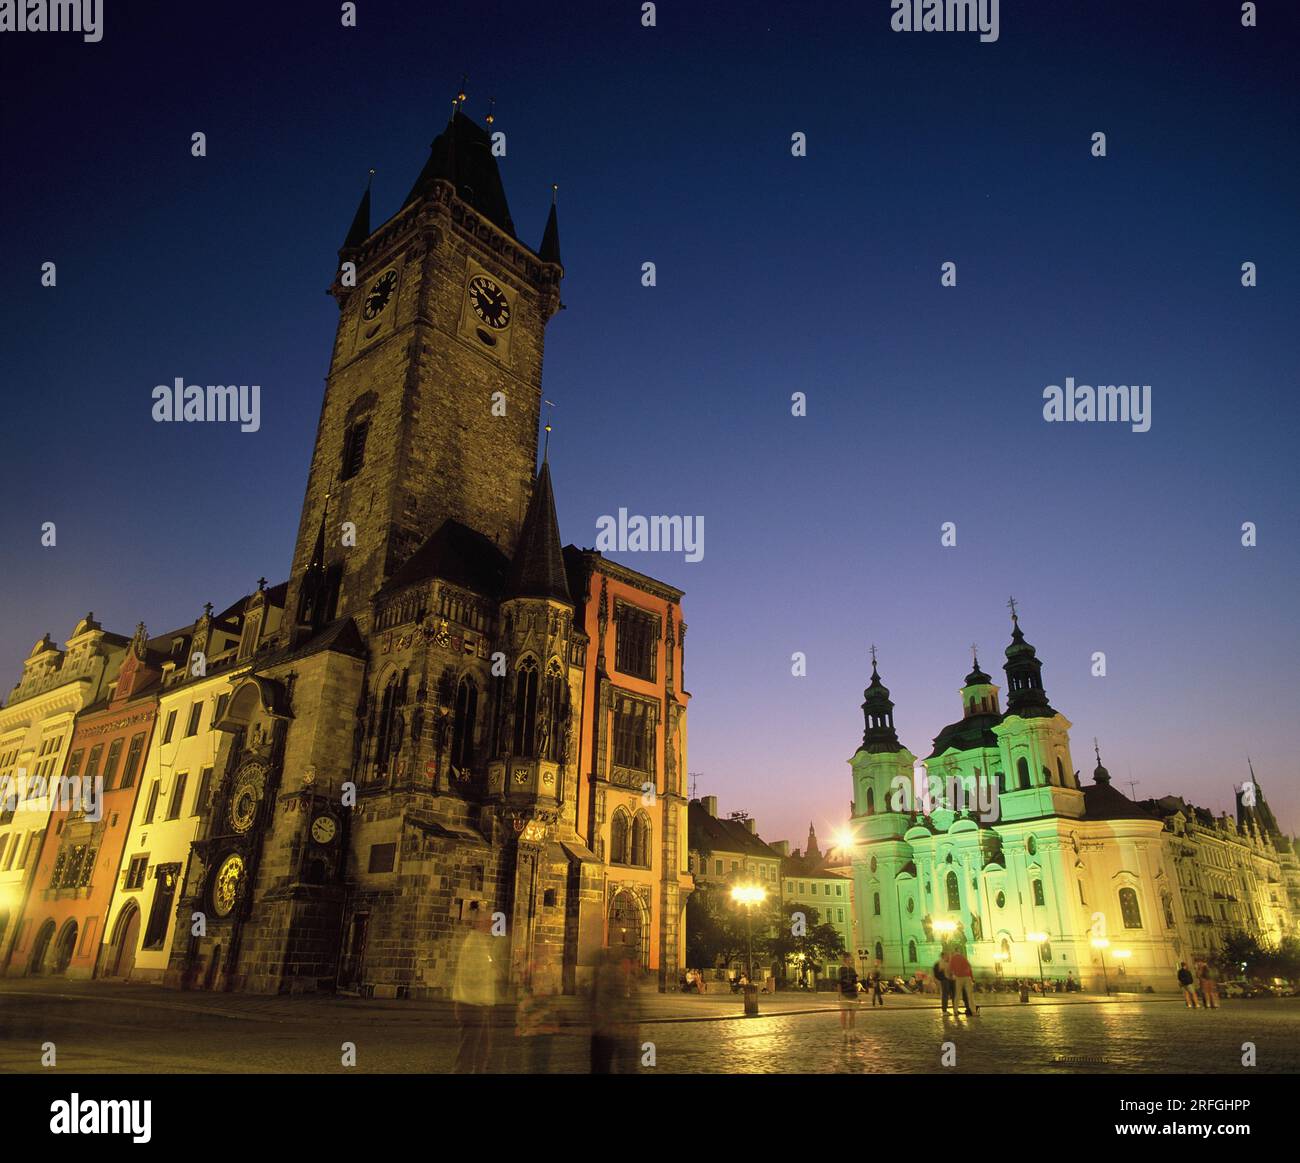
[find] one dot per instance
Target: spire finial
(370, 177)
(460, 93)
(555, 192)
(1095, 749)
(546, 444)
(873, 656)
(975, 654)
(1011, 605)
(491, 113)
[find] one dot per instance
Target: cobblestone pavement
(98, 1028)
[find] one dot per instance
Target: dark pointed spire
(311, 599)
(550, 249)
(462, 156)
(537, 570)
(1025, 694)
(359, 231)
(878, 714)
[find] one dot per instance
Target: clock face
(225, 889)
(248, 792)
(377, 298)
(323, 829)
(489, 302)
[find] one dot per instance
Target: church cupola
(1099, 773)
(878, 714)
(1025, 694)
(979, 695)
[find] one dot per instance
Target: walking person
(963, 982)
(1209, 985)
(1188, 985)
(945, 985)
(848, 996)
(474, 992)
(536, 1021)
(877, 994)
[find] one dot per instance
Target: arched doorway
(626, 929)
(125, 942)
(64, 949)
(40, 948)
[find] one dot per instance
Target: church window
(462, 735)
(641, 841)
(632, 734)
(1047, 950)
(1006, 946)
(880, 951)
(875, 904)
(354, 449)
(911, 951)
(1129, 908)
(557, 706)
(1022, 771)
(954, 893)
(1039, 899)
(871, 801)
(1001, 900)
(618, 838)
(382, 857)
(636, 640)
(387, 736)
(526, 708)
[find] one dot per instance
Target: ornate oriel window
(526, 708)
(387, 736)
(556, 702)
(462, 734)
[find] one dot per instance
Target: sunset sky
(775, 275)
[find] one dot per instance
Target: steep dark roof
(707, 833)
(799, 865)
(341, 636)
(458, 554)
(359, 231)
(1102, 802)
(967, 734)
(550, 249)
(462, 155)
(537, 570)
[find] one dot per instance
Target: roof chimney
(709, 804)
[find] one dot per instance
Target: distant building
(809, 880)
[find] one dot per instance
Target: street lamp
(749, 896)
(1039, 940)
(1101, 944)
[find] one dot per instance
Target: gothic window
(462, 735)
(954, 893)
(636, 641)
(618, 838)
(557, 705)
(911, 951)
(632, 734)
(1022, 772)
(641, 841)
(388, 734)
(880, 951)
(526, 708)
(875, 904)
(354, 449)
(1039, 899)
(1129, 909)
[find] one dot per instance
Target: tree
(715, 934)
(800, 938)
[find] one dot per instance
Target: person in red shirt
(963, 980)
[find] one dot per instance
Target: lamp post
(1101, 944)
(1039, 939)
(748, 896)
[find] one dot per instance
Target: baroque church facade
(442, 711)
(1079, 876)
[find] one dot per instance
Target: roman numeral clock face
(379, 295)
(487, 314)
(489, 302)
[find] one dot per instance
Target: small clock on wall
(379, 296)
(489, 302)
(487, 313)
(324, 828)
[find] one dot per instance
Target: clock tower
(433, 394)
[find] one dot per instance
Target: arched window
(526, 708)
(462, 735)
(875, 904)
(880, 951)
(1047, 775)
(1129, 908)
(871, 801)
(387, 737)
(641, 840)
(1022, 772)
(1060, 771)
(556, 702)
(1039, 899)
(954, 893)
(1006, 949)
(911, 951)
(618, 837)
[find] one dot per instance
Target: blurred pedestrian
(877, 994)
(1210, 985)
(614, 1014)
(945, 984)
(1188, 985)
(848, 995)
(963, 982)
(537, 1024)
(474, 992)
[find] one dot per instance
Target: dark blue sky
(775, 275)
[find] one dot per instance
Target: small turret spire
(550, 248)
(359, 231)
